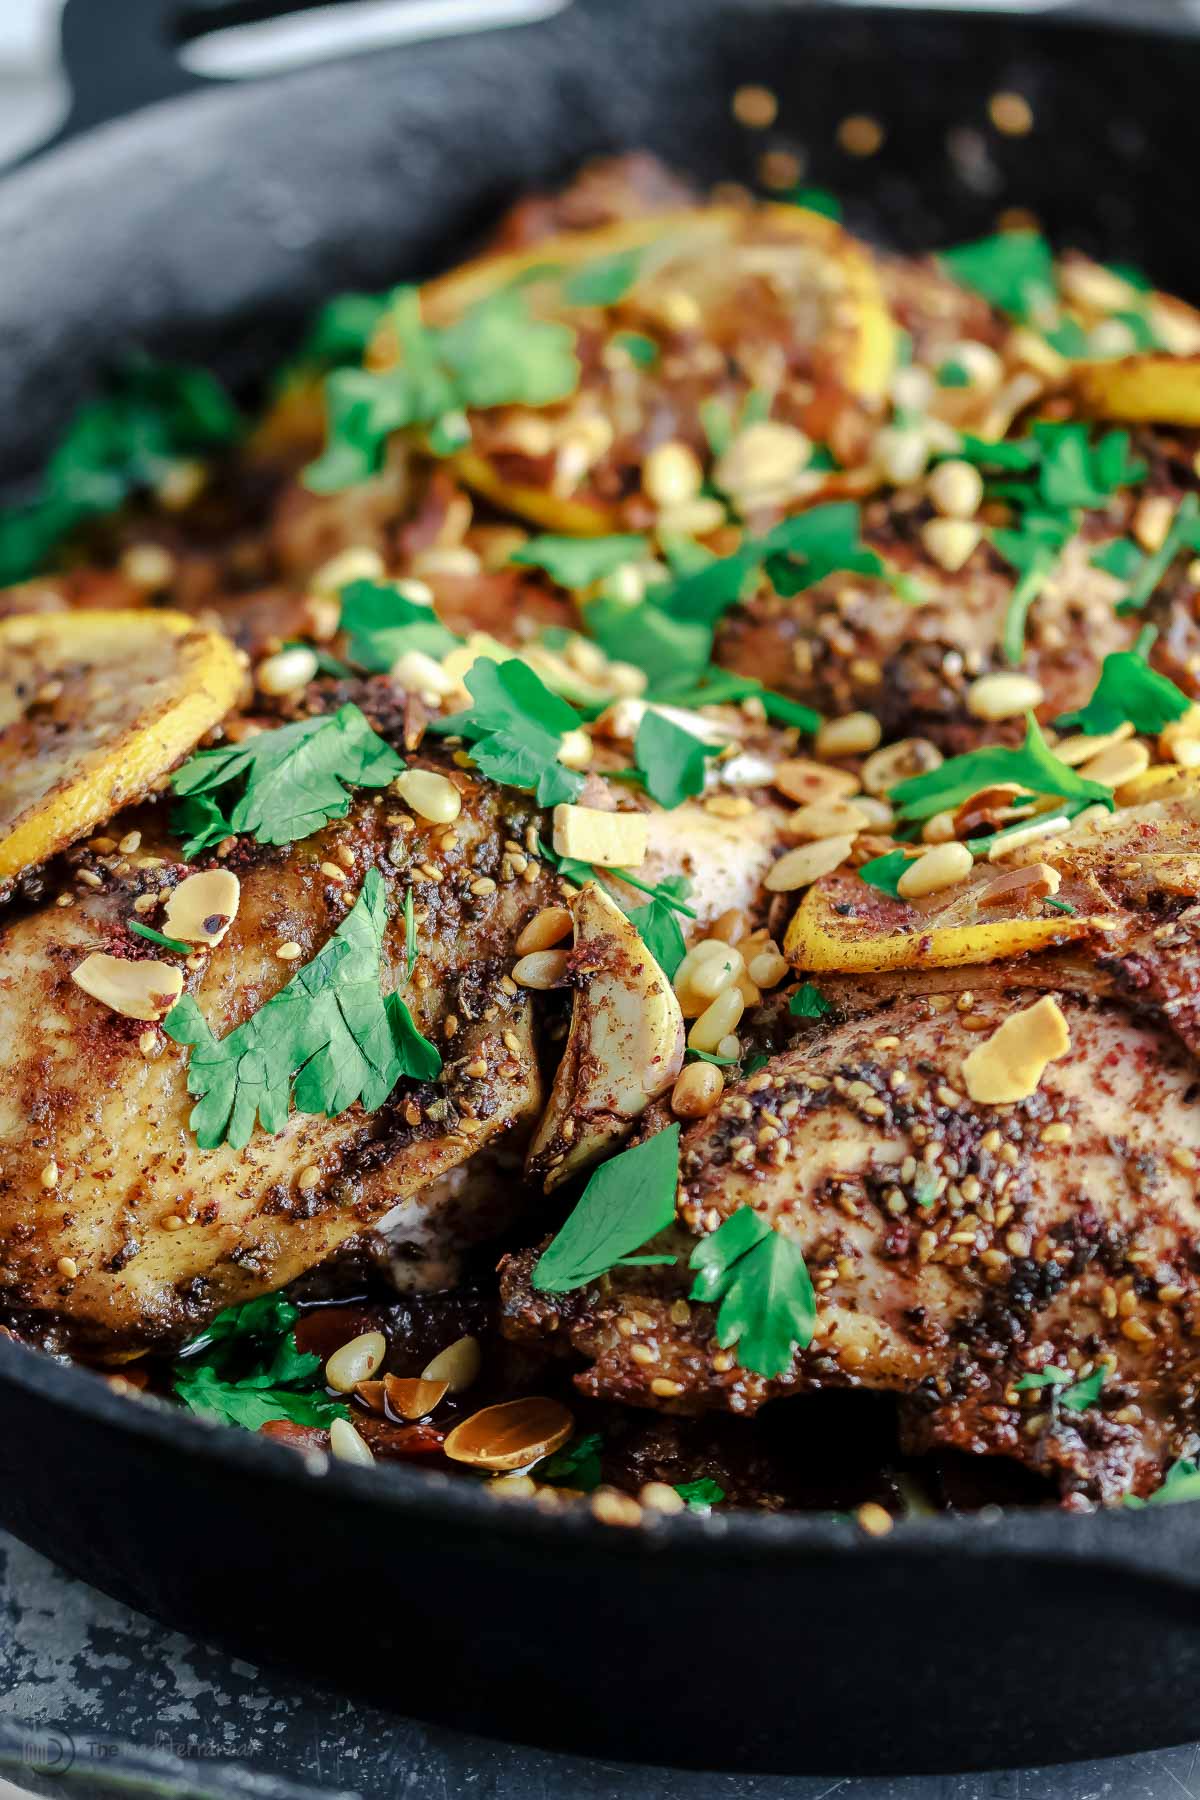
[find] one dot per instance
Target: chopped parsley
(1034, 768)
(627, 1201)
(1014, 272)
(604, 280)
(576, 1465)
(410, 934)
(342, 330)
(245, 1370)
(1182, 535)
(702, 1495)
(156, 937)
(1128, 690)
(289, 781)
(382, 624)
(808, 1002)
(152, 416)
(642, 351)
(658, 927)
(818, 200)
(1181, 1482)
(670, 760)
(884, 872)
(1120, 558)
(1062, 906)
(497, 354)
(767, 1304)
(925, 1187)
(1076, 1396)
(327, 1039)
(575, 562)
(516, 729)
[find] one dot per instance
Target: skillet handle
(116, 64)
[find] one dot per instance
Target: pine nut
(671, 474)
(1094, 287)
(449, 559)
(1111, 337)
(828, 818)
(359, 562)
(899, 762)
(287, 671)
(696, 518)
(955, 489)
(804, 781)
(942, 867)
(431, 796)
(346, 1445)
(799, 868)
(458, 1365)
(1003, 696)
(289, 952)
(901, 455)
(550, 926)
(541, 969)
(1152, 521)
(951, 542)
(717, 1020)
(356, 1361)
(697, 1090)
(912, 389)
(730, 926)
(857, 734)
(418, 673)
(1080, 747)
(1118, 764)
(763, 456)
(716, 973)
(767, 969)
(148, 566)
(575, 751)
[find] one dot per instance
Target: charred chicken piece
(956, 1247)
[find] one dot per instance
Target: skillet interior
(952, 1643)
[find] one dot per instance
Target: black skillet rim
(1113, 1538)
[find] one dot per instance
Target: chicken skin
(955, 1247)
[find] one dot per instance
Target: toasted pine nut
(955, 489)
(541, 969)
(717, 1020)
(356, 1361)
(432, 796)
(287, 671)
(359, 562)
(346, 1445)
(550, 926)
(458, 1365)
(671, 474)
(1080, 747)
(901, 454)
(767, 969)
(1003, 696)
(899, 762)
(951, 542)
(857, 734)
(945, 865)
(1152, 521)
(697, 1090)
(799, 868)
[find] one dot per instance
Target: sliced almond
(510, 1435)
(457, 1365)
(136, 990)
(203, 907)
(371, 1394)
(413, 1397)
(608, 840)
(1010, 1063)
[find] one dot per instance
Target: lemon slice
(773, 300)
(1150, 388)
(94, 708)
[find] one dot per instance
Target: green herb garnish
(1182, 535)
(245, 1370)
(515, 730)
(497, 354)
(627, 1201)
(818, 200)
(153, 416)
(884, 872)
(1076, 1396)
(1181, 1482)
(1014, 271)
(576, 1465)
(1128, 690)
(701, 1495)
(767, 1304)
(1033, 768)
(808, 1002)
(290, 781)
(604, 280)
(156, 937)
(327, 1039)
(670, 760)
(642, 351)
(575, 562)
(657, 924)
(382, 624)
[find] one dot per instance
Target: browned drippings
(1033, 883)
(510, 1435)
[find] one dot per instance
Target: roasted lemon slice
(94, 708)
(1151, 388)
(681, 319)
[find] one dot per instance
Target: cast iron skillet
(208, 226)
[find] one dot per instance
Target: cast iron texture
(208, 226)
